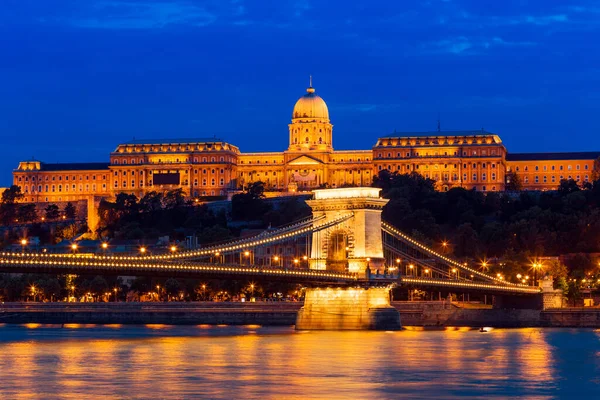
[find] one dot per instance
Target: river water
(226, 362)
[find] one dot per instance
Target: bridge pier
(348, 309)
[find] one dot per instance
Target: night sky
(79, 77)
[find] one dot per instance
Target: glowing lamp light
(105, 246)
(74, 246)
(142, 250)
(173, 249)
(24, 242)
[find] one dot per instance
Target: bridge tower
(355, 244)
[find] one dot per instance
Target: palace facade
(207, 167)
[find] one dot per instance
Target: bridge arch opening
(337, 251)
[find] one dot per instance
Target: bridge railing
(124, 267)
(469, 285)
(387, 228)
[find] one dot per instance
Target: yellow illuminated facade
(211, 167)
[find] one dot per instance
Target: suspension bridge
(347, 245)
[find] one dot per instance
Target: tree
(567, 186)
(70, 210)
(513, 182)
(172, 287)
(596, 170)
(174, 199)
(99, 286)
(250, 205)
(12, 195)
(27, 212)
(52, 212)
(8, 206)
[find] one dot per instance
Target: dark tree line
(157, 214)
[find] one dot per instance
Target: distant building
(212, 167)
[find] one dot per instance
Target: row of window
(58, 177)
(167, 147)
(553, 178)
(141, 173)
(408, 154)
(553, 168)
(430, 141)
(140, 161)
(60, 187)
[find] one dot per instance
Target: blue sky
(79, 77)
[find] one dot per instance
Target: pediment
(305, 160)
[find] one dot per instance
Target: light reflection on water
(164, 361)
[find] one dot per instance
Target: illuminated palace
(211, 167)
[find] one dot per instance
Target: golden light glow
(173, 249)
(142, 250)
(74, 246)
(24, 242)
(105, 245)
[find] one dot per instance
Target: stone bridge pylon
(354, 244)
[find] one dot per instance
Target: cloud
(143, 15)
(543, 19)
(300, 7)
(455, 45)
(464, 45)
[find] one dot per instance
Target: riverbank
(426, 314)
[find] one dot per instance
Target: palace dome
(311, 106)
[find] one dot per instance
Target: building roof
(479, 132)
(174, 141)
(310, 106)
(581, 155)
(92, 166)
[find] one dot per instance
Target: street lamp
(33, 292)
(455, 272)
(252, 290)
(24, 244)
(104, 246)
(74, 247)
(411, 267)
(426, 271)
(173, 249)
(143, 250)
(203, 292)
(115, 290)
(276, 259)
(296, 261)
(217, 254)
(73, 291)
(536, 266)
(158, 292)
